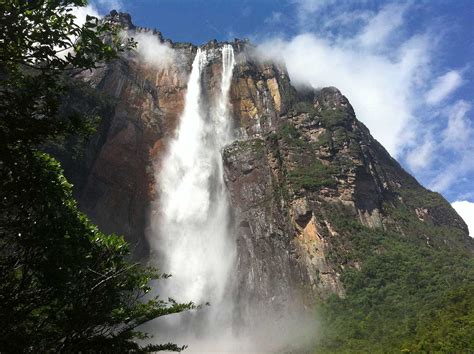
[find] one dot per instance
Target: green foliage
(312, 176)
(75, 152)
(403, 287)
(88, 107)
(449, 328)
(256, 145)
(418, 197)
(333, 117)
(304, 107)
(341, 136)
(64, 286)
(310, 173)
(41, 43)
(324, 139)
(290, 134)
(435, 232)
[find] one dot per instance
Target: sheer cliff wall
(301, 162)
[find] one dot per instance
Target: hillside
(321, 216)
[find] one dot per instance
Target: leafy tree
(64, 285)
(40, 42)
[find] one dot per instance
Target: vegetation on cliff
(396, 256)
(410, 292)
(407, 280)
(64, 285)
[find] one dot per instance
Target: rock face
(147, 103)
(287, 183)
(300, 157)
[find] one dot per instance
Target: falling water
(194, 222)
(191, 233)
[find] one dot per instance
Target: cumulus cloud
(149, 46)
(153, 51)
(466, 210)
(454, 172)
(97, 8)
(443, 87)
(381, 87)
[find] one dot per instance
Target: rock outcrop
(300, 157)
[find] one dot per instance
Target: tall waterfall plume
(193, 225)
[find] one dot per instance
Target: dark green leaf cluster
(304, 107)
(40, 41)
(64, 285)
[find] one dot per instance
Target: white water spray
(191, 233)
(194, 223)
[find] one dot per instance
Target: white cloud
(152, 51)
(307, 12)
(312, 6)
(422, 155)
(95, 8)
(466, 210)
(443, 87)
(388, 74)
(383, 25)
(381, 87)
(458, 132)
(457, 145)
(453, 172)
(82, 12)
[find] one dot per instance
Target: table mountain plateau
(312, 195)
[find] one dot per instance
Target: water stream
(193, 225)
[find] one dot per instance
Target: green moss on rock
(312, 176)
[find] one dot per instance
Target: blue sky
(406, 66)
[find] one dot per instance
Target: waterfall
(194, 221)
(191, 230)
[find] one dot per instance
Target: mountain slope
(322, 215)
(321, 208)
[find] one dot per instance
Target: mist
(154, 52)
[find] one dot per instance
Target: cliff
(305, 177)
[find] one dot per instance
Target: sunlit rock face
(297, 156)
(285, 184)
(148, 101)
